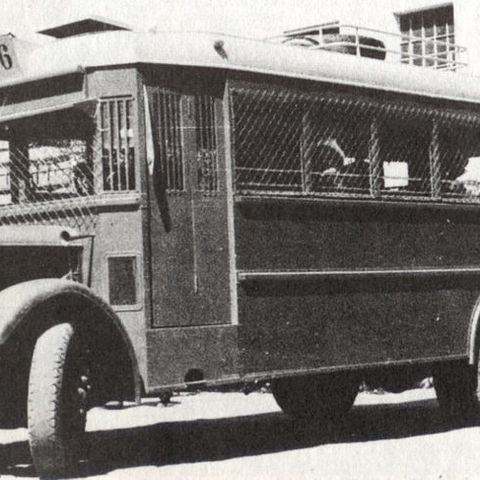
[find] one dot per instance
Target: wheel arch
(474, 335)
(29, 308)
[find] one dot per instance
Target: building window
(429, 39)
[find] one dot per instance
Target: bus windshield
(63, 158)
(47, 158)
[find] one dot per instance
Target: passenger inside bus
(457, 146)
(354, 176)
(343, 173)
(328, 159)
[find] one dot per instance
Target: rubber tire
(458, 394)
(56, 427)
(320, 398)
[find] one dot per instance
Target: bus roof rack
(379, 44)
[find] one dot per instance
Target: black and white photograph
(240, 239)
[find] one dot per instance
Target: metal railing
(379, 44)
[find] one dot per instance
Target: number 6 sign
(5, 58)
(9, 66)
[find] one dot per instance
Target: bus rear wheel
(57, 401)
(320, 398)
(458, 394)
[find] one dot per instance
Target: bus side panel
(192, 353)
(189, 264)
(282, 234)
(172, 263)
(346, 327)
(343, 320)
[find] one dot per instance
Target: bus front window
(47, 158)
(67, 154)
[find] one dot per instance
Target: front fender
(473, 335)
(19, 302)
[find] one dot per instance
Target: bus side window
(340, 152)
(118, 152)
(268, 137)
(328, 159)
(354, 175)
(459, 157)
(405, 155)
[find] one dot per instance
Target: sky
(253, 18)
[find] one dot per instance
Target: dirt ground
(233, 436)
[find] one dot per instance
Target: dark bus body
(240, 212)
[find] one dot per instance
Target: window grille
(117, 144)
(267, 142)
(168, 123)
(429, 37)
(289, 142)
(47, 171)
(207, 155)
(53, 165)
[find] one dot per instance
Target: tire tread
(47, 440)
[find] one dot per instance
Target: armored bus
(195, 208)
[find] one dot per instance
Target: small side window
(167, 122)
(207, 155)
(122, 280)
(117, 140)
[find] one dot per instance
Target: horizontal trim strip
(343, 201)
(79, 69)
(45, 110)
(74, 205)
(411, 362)
(258, 376)
(313, 275)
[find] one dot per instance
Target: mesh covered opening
(184, 129)
(117, 143)
(290, 142)
(206, 142)
(53, 165)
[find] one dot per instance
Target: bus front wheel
(320, 398)
(57, 401)
(458, 394)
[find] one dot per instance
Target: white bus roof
(220, 51)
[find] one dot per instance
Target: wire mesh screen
(116, 129)
(206, 142)
(167, 120)
(53, 166)
(291, 142)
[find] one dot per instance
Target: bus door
(188, 213)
